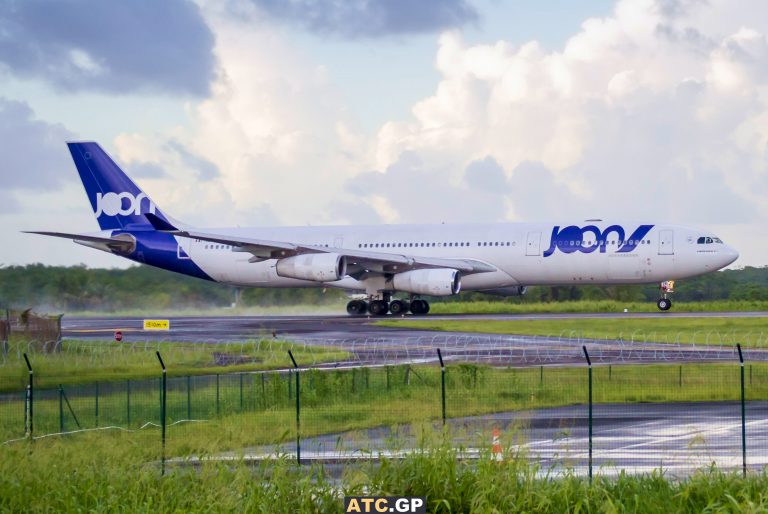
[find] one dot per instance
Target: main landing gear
(667, 287)
(380, 307)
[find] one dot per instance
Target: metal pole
(189, 397)
(442, 380)
(217, 395)
(264, 389)
(388, 371)
(743, 416)
(162, 411)
(97, 405)
(541, 375)
(30, 400)
(298, 411)
(128, 403)
(589, 363)
(241, 392)
(61, 409)
(610, 372)
(354, 375)
(680, 376)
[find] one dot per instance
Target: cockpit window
(708, 240)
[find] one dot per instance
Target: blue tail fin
(117, 202)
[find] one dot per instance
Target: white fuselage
(589, 252)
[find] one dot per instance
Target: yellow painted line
(97, 330)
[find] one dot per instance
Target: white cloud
(657, 111)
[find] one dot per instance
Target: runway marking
(106, 330)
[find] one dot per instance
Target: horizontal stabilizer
(122, 244)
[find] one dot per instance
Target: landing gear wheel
(419, 307)
(398, 307)
(357, 308)
(664, 304)
(379, 308)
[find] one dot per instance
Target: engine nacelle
(318, 267)
(434, 282)
(507, 291)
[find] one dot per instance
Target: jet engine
(507, 291)
(434, 282)
(318, 267)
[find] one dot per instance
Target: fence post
(354, 376)
(189, 397)
(541, 375)
(128, 403)
(610, 373)
(162, 412)
(589, 363)
(30, 410)
(298, 411)
(442, 381)
(241, 392)
(264, 389)
(388, 371)
(97, 405)
(61, 409)
(743, 415)
(217, 395)
(680, 376)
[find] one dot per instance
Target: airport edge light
(380, 504)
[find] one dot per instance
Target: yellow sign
(157, 324)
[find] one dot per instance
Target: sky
(312, 112)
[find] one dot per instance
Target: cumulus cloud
(77, 45)
(33, 150)
(370, 18)
(656, 111)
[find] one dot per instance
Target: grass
(525, 307)
(252, 409)
(92, 361)
(120, 473)
(750, 332)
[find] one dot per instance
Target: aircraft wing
(121, 244)
(358, 261)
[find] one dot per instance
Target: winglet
(159, 224)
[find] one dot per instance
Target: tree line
(78, 288)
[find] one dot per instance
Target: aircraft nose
(729, 255)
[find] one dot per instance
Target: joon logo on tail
(572, 239)
(123, 204)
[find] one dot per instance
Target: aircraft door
(338, 242)
(533, 245)
(666, 242)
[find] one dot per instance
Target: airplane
(376, 263)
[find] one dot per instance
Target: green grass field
(526, 307)
(120, 473)
(92, 361)
(750, 332)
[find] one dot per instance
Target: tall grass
(120, 474)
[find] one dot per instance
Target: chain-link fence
(677, 417)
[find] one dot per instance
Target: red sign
(118, 336)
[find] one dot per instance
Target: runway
(369, 344)
(637, 438)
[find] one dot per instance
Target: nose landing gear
(667, 287)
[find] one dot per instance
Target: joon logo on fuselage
(572, 239)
